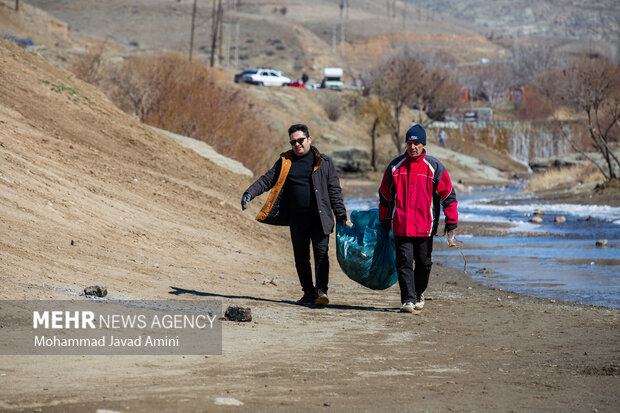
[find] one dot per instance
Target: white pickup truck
(332, 78)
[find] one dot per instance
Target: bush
(183, 97)
(565, 177)
(333, 109)
(89, 67)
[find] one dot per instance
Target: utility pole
(191, 38)
(342, 39)
(334, 31)
(237, 44)
(215, 24)
(228, 38)
(16, 5)
(220, 17)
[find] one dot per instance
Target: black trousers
(410, 250)
(304, 229)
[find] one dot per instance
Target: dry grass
(171, 93)
(565, 177)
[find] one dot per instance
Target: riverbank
(470, 349)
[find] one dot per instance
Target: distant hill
(565, 19)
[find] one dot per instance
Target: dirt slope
(74, 167)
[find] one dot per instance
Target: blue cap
(416, 133)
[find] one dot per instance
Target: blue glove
(245, 199)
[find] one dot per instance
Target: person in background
(443, 138)
(414, 185)
(305, 195)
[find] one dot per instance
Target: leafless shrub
(183, 97)
(533, 106)
(89, 66)
(333, 109)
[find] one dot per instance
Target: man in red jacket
(413, 187)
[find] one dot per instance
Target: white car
(266, 77)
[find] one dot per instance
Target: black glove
(387, 225)
(449, 227)
(245, 199)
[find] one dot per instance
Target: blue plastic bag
(365, 251)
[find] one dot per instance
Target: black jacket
(326, 185)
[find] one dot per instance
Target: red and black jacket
(410, 194)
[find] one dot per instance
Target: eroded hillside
(89, 195)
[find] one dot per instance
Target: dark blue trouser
(410, 250)
(304, 229)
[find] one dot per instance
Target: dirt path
(470, 349)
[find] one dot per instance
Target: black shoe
(307, 299)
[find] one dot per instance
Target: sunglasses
(299, 141)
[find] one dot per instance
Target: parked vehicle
(296, 83)
(239, 76)
(266, 77)
(332, 78)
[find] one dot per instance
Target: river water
(560, 262)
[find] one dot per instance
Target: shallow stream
(552, 260)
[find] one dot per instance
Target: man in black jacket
(305, 195)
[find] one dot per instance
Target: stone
(352, 160)
(236, 313)
(96, 290)
(536, 220)
(227, 401)
(560, 218)
(601, 243)
(485, 271)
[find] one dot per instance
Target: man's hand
(449, 228)
(245, 199)
(387, 225)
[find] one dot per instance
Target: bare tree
(592, 86)
(403, 80)
(377, 111)
(494, 81)
(531, 60)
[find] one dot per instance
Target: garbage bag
(365, 251)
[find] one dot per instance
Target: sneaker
(419, 302)
(307, 299)
(321, 298)
(407, 307)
